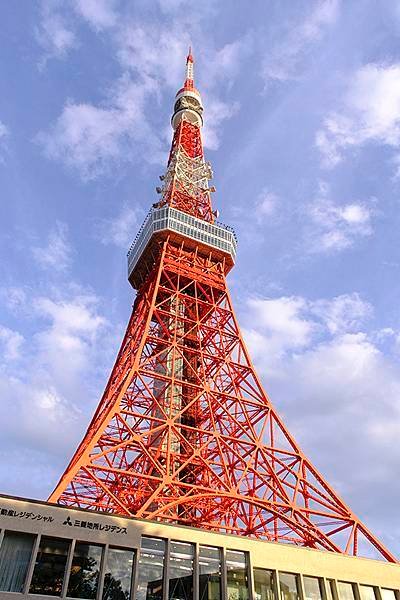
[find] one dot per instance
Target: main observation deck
(209, 238)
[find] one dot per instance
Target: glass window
(312, 588)
(15, 556)
(181, 571)
(289, 586)
(85, 568)
(51, 559)
(345, 591)
(263, 584)
(330, 585)
(151, 569)
(237, 578)
(367, 592)
(388, 594)
(210, 573)
(118, 574)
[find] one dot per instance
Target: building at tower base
(51, 550)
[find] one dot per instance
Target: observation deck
(209, 238)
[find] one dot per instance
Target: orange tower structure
(184, 432)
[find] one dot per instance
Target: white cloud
(287, 325)
(14, 297)
(224, 64)
(154, 51)
(47, 395)
(54, 33)
(282, 316)
(3, 130)
(217, 111)
(38, 418)
(266, 204)
(119, 230)
(369, 112)
(11, 342)
(283, 62)
(277, 327)
(171, 5)
(56, 254)
(70, 317)
(100, 14)
(64, 347)
(4, 134)
(94, 139)
(335, 227)
(344, 313)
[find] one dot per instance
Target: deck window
(15, 555)
(49, 572)
(151, 569)
(181, 571)
(118, 574)
(237, 576)
(289, 586)
(264, 584)
(85, 569)
(210, 573)
(312, 588)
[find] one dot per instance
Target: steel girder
(185, 432)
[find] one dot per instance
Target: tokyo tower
(184, 432)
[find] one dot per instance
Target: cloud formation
(286, 59)
(370, 113)
(119, 230)
(94, 139)
(4, 134)
(54, 33)
(56, 253)
(334, 227)
(100, 14)
(50, 380)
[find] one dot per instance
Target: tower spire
(189, 81)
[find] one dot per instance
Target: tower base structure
(51, 550)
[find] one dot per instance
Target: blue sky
(302, 111)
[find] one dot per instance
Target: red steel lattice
(184, 432)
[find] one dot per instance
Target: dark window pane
(345, 590)
(237, 578)
(367, 592)
(151, 569)
(289, 586)
(15, 555)
(312, 588)
(210, 573)
(263, 584)
(118, 574)
(84, 574)
(181, 571)
(49, 572)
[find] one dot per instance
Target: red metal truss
(184, 432)
(187, 187)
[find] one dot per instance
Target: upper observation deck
(209, 238)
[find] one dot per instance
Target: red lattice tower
(184, 432)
